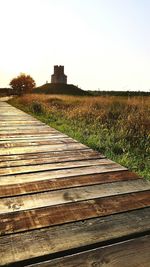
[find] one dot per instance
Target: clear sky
(103, 44)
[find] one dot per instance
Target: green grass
(113, 126)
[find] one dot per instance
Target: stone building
(59, 76)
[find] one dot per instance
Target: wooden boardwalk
(63, 204)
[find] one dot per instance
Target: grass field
(118, 127)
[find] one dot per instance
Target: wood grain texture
(133, 253)
(15, 123)
(54, 215)
(37, 243)
(42, 148)
(19, 128)
(66, 182)
(44, 158)
(33, 137)
(63, 196)
(26, 132)
(57, 174)
(53, 166)
(49, 154)
(16, 143)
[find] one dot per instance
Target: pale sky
(103, 44)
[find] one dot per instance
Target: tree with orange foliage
(22, 84)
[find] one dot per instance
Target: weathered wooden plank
(34, 124)
(21, 128)
(25, 202)
(47, 175)
(8, 124)
(61, 183)
(11, 109)
(19, 122)
(32, 142)
(133, 253)
(71, 212)
(15, 143)
(15, 115)
(42, 148)
(26, 131)
(8, 108)
(33, 137)
(46, 154)
(17, 119)
(54, 166)
(11, 113)
(43, 158)
(36, 243)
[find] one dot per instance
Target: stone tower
(59, 76)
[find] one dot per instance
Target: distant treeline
(118, 93)
(6, 91)
(73, 90)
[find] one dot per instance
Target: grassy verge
(116, 126)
